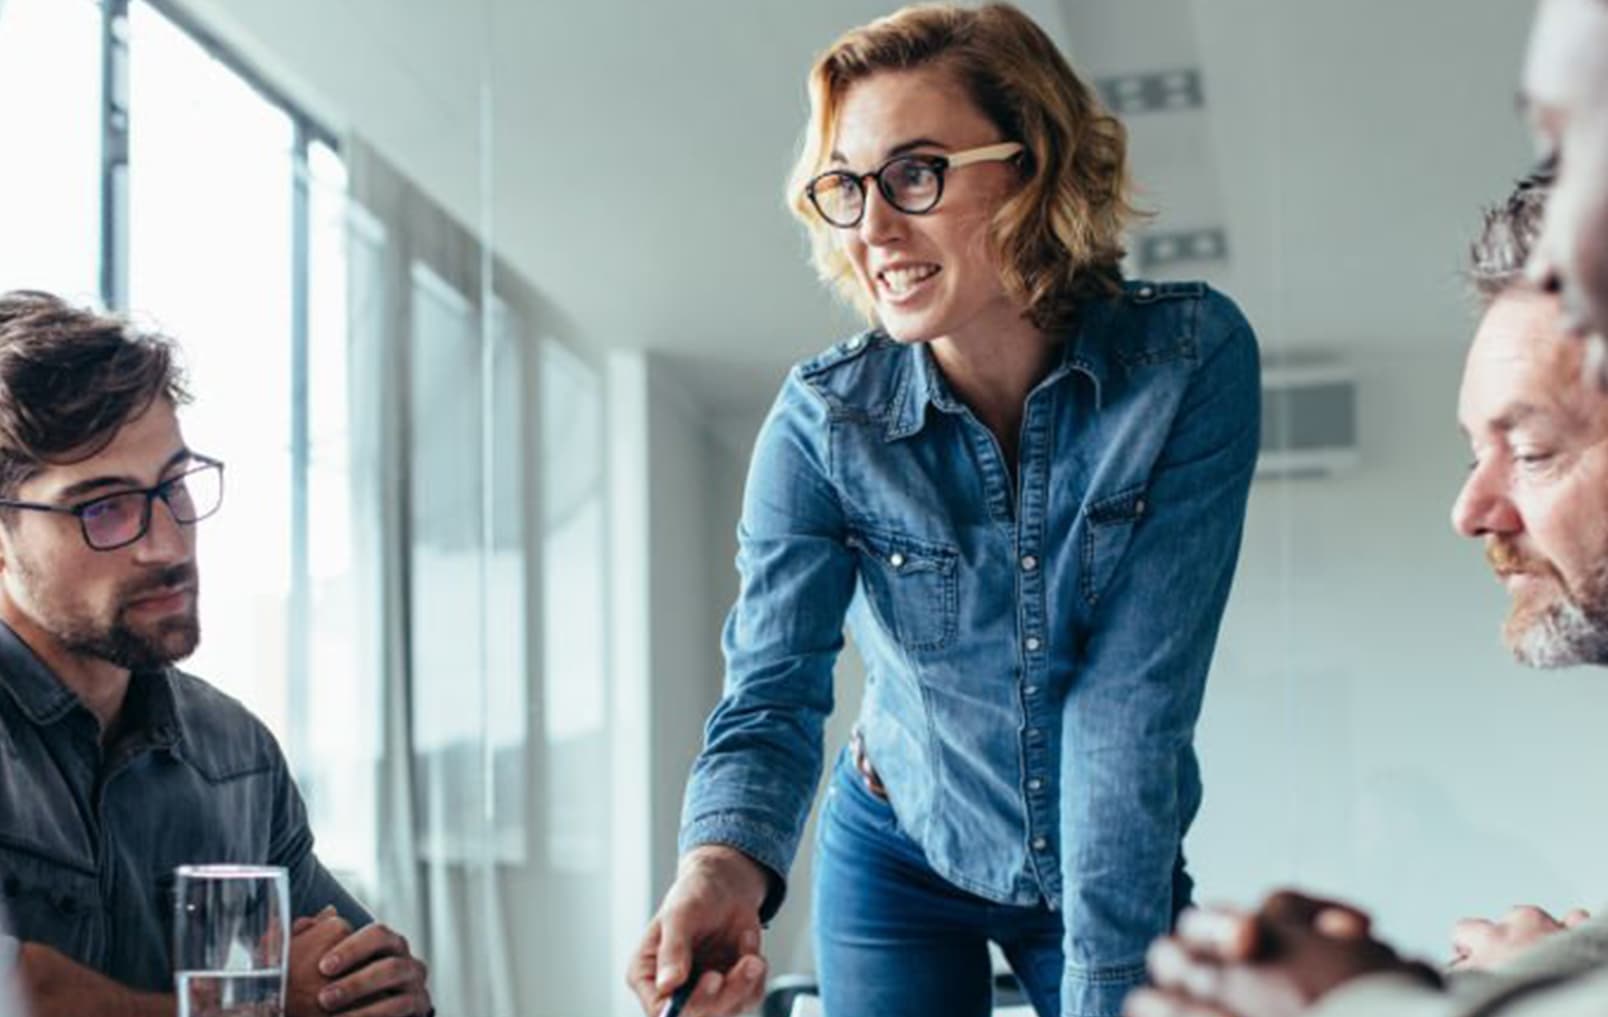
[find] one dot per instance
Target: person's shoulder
(857, 373)
(1190, 316)
(221, 736)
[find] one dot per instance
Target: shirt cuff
(1099, 992)
(1394, 993)
(755, 840)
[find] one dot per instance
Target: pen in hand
(679, 998)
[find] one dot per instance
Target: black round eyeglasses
(913, 184)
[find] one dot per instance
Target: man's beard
(1567, 628)
(136, 647)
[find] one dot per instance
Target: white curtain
(439, 370)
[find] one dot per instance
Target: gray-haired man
(1537, 499)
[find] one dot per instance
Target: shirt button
(1040, 844)
(855, 343)
(1031, 690)
(896, 560)
(1034, 784)
(1032, 644)
(1029, 563)
(1139, 507)
(1146, 292)
(1034, 734)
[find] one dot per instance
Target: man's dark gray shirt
(89, 837)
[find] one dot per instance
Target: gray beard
(1570, 631)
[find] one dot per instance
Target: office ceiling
(628, 156)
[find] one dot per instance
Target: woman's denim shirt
(1035, 652)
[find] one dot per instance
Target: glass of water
(231, 940)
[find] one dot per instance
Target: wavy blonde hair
(1058, 238)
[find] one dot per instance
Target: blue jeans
(894, 939)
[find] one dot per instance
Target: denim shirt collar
(45, 700)
(923, 383)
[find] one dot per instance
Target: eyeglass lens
(123, 518)
(910, 184)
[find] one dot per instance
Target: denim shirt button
(1034, 734)
(1034, 784)
(1031, 690)
(854, 343)
(1029, 563)
(1040, 844)
(896, 560)
(1139, 507)
(1033, 644)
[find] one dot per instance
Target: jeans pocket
(910, 584)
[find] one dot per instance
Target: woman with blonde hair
(1023, 488)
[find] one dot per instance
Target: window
(50, 96)
(406, 582)
(572, 574)
(467, 575)
(237, 246)
(209, 261)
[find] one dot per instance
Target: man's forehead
(140, 451)
(1520, 358)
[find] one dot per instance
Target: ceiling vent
(1309, 419)
(1158, 249)
(1152, 92)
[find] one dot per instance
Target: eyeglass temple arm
(988, 153)
(36, 505)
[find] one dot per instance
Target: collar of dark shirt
(150, 715)
(1084, 351)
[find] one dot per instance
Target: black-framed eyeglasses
(116, 520)
(912, 183)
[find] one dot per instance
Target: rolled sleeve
(752, 785)
(1494, 995)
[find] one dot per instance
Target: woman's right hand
(708, 927)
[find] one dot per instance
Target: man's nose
(1482, 507)
(165, 540)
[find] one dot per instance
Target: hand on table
(310, 939)
(708, 923)
(366, 973)
(1274, 962)
(1479, 944)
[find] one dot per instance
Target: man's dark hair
(1498, 256)
(70, 378)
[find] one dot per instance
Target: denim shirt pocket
(1109, 524)
(46, 899)
(910, 585)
